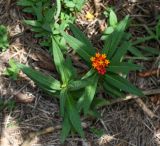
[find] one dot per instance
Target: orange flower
(99, 62)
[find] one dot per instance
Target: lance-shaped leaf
(89, 73)
(74, 116)
(123, 67)
(81, 37)
(135, 51)
(66, 127)
(88, 95)
(78, 84)
(118, 56)
(33, 23)
(47, 83)
(24, 3)
(78, 46)
(113, 40)
(123, 84)
(112, 18)
(115, 93)
(63, 97)
(60, 62)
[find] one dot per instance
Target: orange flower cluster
(99, 62)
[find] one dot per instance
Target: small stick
(32, 135)
(129, 97)
(145, 108)
(149, 73)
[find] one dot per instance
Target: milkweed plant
(79, 94)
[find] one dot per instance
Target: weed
(3, 38)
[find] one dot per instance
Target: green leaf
(88, 95)
(28, 10)
(81, 37)
(123, 84)
(12, 70)
(34, 23)
(24, 3)
(59, 61)
(135, 51)
(114, 39)
(144, 39)
(89, 73)
(58, 4)
(3, 38)
(66, 127)
(123, 67)
(70, 4)
(79, 84)
(74, 116)
(78, 46)
(44, 81)
(38, 11)
(99, 102)
(118, 56)
(112, 18)
(108, 30)
(63, 97)
(71, 70)
(115, 93)
(149, 49)
(49, 15)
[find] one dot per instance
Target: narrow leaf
(74, 117)
(79, 84)
(59, 61)
(46, 82)
(116, 92)
(123, 67)
(135, 51)
(66, 127)
(112, 18)
(88, 95)
(122, 84)
(78, 46)
(81, 37)
(63, 97)
(113, 40)
(34, 23)
(118, 56)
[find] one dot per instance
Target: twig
(145, 108)
(129, 97)
(149, 73)
(32, 135)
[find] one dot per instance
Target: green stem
(58, 2)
